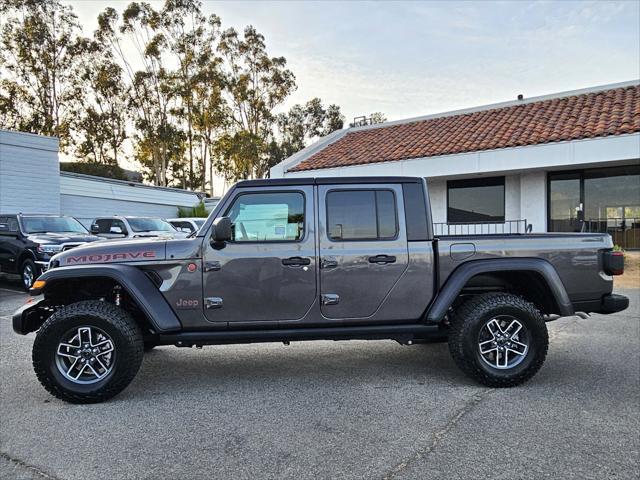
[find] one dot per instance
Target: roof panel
(595, 114)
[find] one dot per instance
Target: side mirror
(221, 229)
(95, 229)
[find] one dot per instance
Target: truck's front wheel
(87, 352)
(498, 339)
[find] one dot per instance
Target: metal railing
(625, 232)
(508, 227)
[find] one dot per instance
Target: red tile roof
(598, 114)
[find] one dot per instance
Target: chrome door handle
(328, 262)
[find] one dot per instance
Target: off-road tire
(116, 322)
(469, 318)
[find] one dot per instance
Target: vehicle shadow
(11, 282)
(237, 368)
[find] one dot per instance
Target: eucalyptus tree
(150, 93)
(99, 127)
(40, 46)
(302, 125)
(255, 85)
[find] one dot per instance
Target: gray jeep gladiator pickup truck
(313, 259)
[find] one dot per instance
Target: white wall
(438, 198)
(533, 199)
(29, 171)
(87, 197)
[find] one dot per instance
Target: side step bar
(404, 334)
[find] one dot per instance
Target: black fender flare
(461, 275)
(138, 285)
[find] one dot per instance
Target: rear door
(363, 247)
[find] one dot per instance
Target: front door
(363, 247)
(267, 272)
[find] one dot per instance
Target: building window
(475, 201)
(603, 200)
(361, 215)
(267, 217)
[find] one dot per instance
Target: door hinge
(213, 302)
(330, 299)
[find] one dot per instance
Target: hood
(121, 251)
(159, 233)
(59, 238)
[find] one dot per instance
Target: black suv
(28, 241)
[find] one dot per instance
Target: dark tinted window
(104, 225)
(361, 215)
(475, 201)
(386, 203)
(415, 212)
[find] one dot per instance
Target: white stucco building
(31, 182)
(562, 162)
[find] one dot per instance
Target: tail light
(613, 263)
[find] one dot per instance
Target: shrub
(197, 210)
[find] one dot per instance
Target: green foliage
(96, 169)
(197, 210)
(618, 248)
(39, 51)
(187, 98)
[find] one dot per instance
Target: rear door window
(361, 215)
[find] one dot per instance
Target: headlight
(49, 248)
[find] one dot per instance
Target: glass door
(565, 203)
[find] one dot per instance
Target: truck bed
(576, 257)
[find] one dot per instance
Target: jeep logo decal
(187, 303)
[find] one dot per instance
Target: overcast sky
(414, 58)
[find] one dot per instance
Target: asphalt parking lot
(334, 410)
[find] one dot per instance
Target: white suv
(133, 227)
(187, 225)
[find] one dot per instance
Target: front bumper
(29, 317)
(613, 303)
(44, 266)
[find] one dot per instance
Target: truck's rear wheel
(87, 352)
(498, 339)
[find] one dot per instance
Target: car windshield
(199, 223)
(52, 224)
(150, 225)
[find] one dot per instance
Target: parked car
(314, 259)
(187, 225)
(27, 242)
(134, 227)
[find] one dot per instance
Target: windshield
(199, 223)
(150, 225)
(52, 224)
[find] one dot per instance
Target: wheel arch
(26, 254)
(138, 286)
(544, 286)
